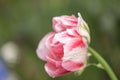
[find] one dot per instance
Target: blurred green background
(25, 22)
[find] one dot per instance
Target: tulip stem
(103, 63)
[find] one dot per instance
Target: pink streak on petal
(61, 23)
(72, 44)
(73, 32)
(71, 65)
(54, 71)
(55, 48)
(55, 62)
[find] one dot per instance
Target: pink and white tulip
(64, 50)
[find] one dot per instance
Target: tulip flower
(65, 50)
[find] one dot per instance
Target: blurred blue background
(24, 22)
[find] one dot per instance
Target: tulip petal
(64, 22)
(72, 65)
(72, 44)
(55, 48)
(42, 51)
(76, 57)
(54, 71)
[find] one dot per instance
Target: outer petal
(54, 71)
(72, 65)
(75, 59)
(55, 48)
(42, 51)
(61, 23)
(75, 52)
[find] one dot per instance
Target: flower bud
(65, 49)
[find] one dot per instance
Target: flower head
(65, 49)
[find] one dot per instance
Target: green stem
(103, 63)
